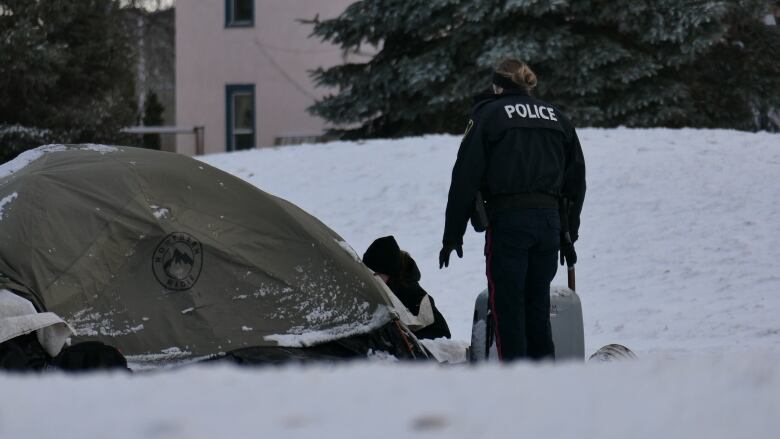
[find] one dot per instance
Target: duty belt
(524, 201)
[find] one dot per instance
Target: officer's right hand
(568, 254)
(446, 250)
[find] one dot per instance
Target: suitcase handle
(572, 281)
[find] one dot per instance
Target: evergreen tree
(153, 116)
(639, 63)
(66, 73)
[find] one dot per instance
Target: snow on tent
(169, 259)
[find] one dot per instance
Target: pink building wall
(275, 55)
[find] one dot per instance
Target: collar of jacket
(514, 92)
(488, 96)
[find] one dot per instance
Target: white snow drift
(678, 254)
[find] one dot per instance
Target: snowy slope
(679, 241)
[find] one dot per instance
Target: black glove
(567, 253)
(444, 254)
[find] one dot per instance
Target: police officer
(524, 157)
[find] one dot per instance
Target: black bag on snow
(89, 355)
(23, 353)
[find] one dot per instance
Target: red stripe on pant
(492, 291)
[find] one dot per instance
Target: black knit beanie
(384, 256)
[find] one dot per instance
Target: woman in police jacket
(524, 156)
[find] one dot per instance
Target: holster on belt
(479, 217)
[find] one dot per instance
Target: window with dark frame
(240, 120)
(239, 13)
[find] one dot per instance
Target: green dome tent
(169, 259)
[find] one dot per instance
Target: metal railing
(197, 131)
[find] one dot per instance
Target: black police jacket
(515, 144)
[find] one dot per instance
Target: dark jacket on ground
(407, 288)
(23, 353)
(515, 144)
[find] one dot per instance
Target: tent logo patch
(177, 261)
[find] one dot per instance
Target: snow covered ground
(679, 241)
(678, 251)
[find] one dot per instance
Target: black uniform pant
(522, 258)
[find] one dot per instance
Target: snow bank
(703, 397)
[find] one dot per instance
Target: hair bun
(519, 72)
(525, 77)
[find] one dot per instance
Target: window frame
(232, 90)
(230, 7)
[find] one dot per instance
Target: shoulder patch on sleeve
(468, 127)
